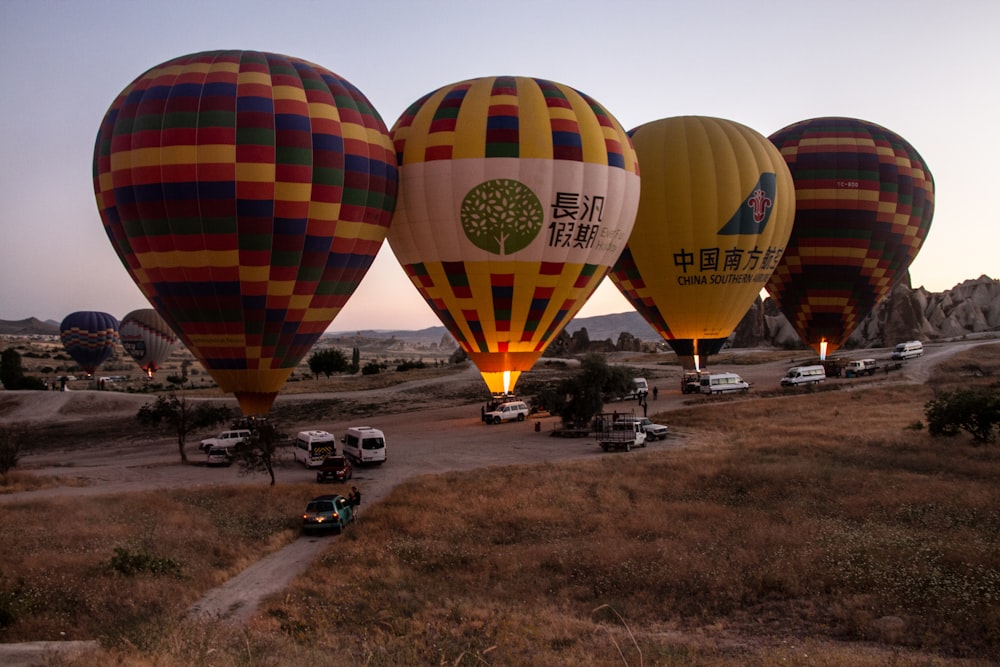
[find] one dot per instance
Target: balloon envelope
(865, 200)
(147, 338)
(89, 337)
(714, 215)
(516, 196)
(247, 194)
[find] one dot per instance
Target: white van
(718, 383)
(640, 387)
(364, 444)
(312, 447)
(797, 375)
(908, 350)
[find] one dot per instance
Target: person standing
(355, 499)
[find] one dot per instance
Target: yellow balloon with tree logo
(516, 197)
(715, 212)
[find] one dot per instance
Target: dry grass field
(823, 528)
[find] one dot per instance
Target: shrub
(410, 365)
(976, 411)
(12, 437)
(129, 563)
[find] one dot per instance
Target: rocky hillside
(29, 327)
(906, 314)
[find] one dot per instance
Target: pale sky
(929, 71)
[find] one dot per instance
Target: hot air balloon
(247, 194)
(147, 338)
(864, 205)
(714, 215)
(516, 196)
(89, 337)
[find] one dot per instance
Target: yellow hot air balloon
(714, 216)
(516, 197)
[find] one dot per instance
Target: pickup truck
(653, 430)
(614, 431)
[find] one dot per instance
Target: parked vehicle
(335, 469)
(364, 445)
(908, 350)
(720, 383)
(225, 439)
(614, 431)
(859, 367)
(640, 388)
(797, 375)
(218, 456)
(691, 382)
(653, 430)
(332, 512)
(505, 412)
(312, 447)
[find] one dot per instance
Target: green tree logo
(501, 216)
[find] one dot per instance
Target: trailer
(619, 431)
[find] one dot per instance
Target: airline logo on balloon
(752, 217)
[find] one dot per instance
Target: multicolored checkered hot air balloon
(516, 196)
(89, 337)
(864, 203)
(247, 194)
(715, 213)
(147, 338)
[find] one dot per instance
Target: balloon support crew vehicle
(505, 412)
(722, 383)
(331, 512)
(364, 445)
(334, 468)
(797, 375)
(619, 431)
(653, 430)
(907, 350)
(312, 447)
(691, 382)
(225, 439)
(860, 367)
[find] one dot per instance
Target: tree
(501, 216)
(10, 368)
(975, 410)
(12, 437)
(256, 453)
(12, 375)
(328, 362)
(355, 360)
(182, 416)
(578, 398)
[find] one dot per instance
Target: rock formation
(906, 314)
